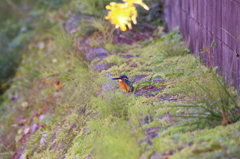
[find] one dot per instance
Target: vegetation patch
(57, 107)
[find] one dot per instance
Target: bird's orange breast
(123, 85)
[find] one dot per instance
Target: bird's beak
(116, 78)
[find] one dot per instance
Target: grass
(95, 8)
(20, 22)
(213, 103)
(112, 124)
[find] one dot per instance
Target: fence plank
(203, 21)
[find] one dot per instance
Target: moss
(197, 144)
(117, 142)
(115, 59)
(111, 125)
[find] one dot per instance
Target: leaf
(213, 44)
(157, 77)
(170, 75)
(159, 40)
(180, 74)
(202, 51)
(199, 151)
(143, 84)
(215, 146)
(175, 137)
(183, 105)
(153, 93)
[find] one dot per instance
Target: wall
(203, 21)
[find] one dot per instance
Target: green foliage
(115, 59)
(200, 143)
(65, 108)
(51, 4)
(105, 30)
(149, 83)
(213, 103)
(18, 30)
(205, 93)
(153, 16)
(95, 8)
(172, 44)
(35, 84)
(114, 104)
(109, 133)
(109, 138)
(116, 143)
(10, 48)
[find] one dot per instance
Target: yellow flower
(137, 2)
(121, 14)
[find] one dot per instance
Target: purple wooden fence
(203, 21)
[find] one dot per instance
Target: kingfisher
(124, 83)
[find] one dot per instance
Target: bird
(124, 83)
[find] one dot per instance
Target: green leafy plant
(207, 50)
(143, 84)
(103, 31)
(153, 17)
(214, 103)
(171, 44)
(95, 8)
